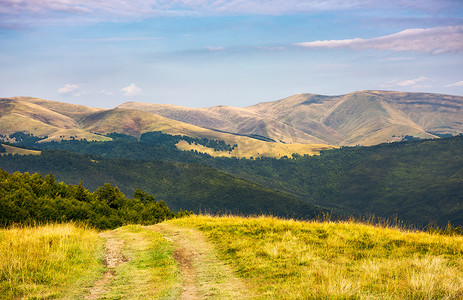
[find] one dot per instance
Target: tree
(110, 195)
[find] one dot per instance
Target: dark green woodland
(419, 182)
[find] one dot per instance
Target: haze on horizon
(210, 52)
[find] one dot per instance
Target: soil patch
(113, 258)
(204, 275)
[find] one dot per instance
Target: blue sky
(226, 52)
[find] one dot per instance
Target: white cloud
(414, 83)
(215, 49)
(106, 93)
(456, 84)
(52, 10)
(131, 90)
(70, 90)
(435, 40)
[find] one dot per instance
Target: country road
(204, 276)
(191, 268)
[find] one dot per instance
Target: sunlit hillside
(282, 259)
(230, 258)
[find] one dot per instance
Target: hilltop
(359, 118)
(203, 257)
(55, 121)
(302, 124)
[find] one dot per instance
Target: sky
(201, 53)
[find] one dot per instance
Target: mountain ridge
(365, 117)
(360, 118)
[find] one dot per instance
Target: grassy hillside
(16, 150)
(229, 119)
(71, 262)
(364, 117)
(368, 117)
(261, 258)
(271, 129)
(297, 260)
(56, 121)
(49, 261)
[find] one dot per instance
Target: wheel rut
(113, 257)
(203, 274)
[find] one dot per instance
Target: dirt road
(204, 275)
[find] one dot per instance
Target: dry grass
(48, 261)
(20, 151)
(254, 148)
(313, 260)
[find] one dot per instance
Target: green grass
(345, 260)
(151, 272)
(48, 261)
(65, 261)
(275, 259)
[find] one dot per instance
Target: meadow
(286, 259)
(45, 261)
(272, 258)
(67, 261)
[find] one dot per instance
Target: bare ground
(204, 275)
(113, 258)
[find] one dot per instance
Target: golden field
(270, 258)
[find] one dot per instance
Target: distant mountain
(230, 119)
(54, 121)
(364, 118)
(368, 117)
(275, 128)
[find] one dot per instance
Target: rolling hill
(359, 118)
(54, 121)
(368, 117)
(303, 123)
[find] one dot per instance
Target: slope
(364, 117)
(368, 117)
(229, 119)
(54, 121)
(181, 185)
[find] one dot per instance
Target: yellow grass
(312, 260)
(20, 151)
(48, 261)
(254, 148)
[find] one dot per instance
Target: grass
(64, 261)
(203, 273)
(151, 271)
(275, 259)
(345, 260)
(248, 147)
(48, 261)
(20, 151)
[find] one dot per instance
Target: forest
(418, 182)
(33, 199)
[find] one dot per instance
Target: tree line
(29, 199)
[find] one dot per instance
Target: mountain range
(303, 123)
